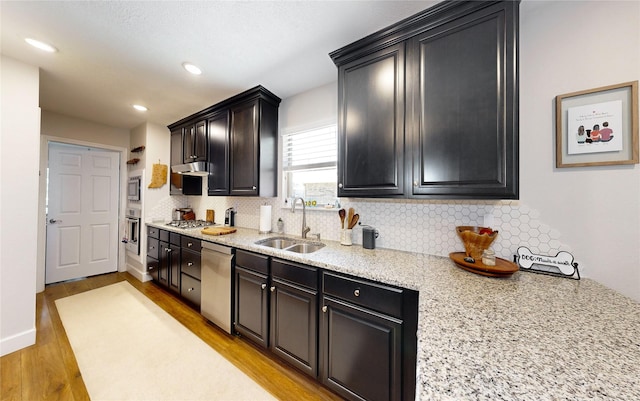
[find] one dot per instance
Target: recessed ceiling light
(139, 107)
(192, 68)
(41, 45)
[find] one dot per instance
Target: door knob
(54, 221)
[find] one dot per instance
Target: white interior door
(82, 212)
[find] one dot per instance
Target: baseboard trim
(17, 342)
(142, 276)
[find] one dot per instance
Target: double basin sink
(290, 244)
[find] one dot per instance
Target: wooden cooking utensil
(342, 215)
(350, 216)
(354, 220)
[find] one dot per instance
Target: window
(309, 166)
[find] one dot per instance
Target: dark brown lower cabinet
(163, 259)
(361, 352)
(368, 339)
(294, 315)
(251, 318)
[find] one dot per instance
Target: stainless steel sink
(289, 244)
(279, 243)
(305, 247)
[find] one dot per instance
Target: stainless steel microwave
(133, 189)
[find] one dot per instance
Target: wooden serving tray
(218, 230)
(503, 268)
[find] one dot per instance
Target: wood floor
(48, 370)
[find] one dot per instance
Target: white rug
(128, 348)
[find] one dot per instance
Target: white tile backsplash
(424, 226)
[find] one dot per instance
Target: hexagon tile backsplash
(408, 225)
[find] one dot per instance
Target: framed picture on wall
(597, 127)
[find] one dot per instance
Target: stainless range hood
(195, 168)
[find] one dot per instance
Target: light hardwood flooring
(48, 370)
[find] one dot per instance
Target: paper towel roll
(265, 219)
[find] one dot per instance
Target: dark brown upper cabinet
(179, 184)
(218, 179)
(371, 115)
(195, 142)
(240, 143)
(428, 107)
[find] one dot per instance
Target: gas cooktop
(186, 224)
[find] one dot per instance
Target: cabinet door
(195, 142)
(163, 266)
(361, 352)
(244, 149)
(218, 179)
(463, 86)
(176, 158)
(173, 261)
(251, 306)
(371, 124)
(294, 316)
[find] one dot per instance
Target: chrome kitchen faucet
(305, 229)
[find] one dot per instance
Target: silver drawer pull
(273, 288)
(189, 244)
(324, 309)
(190, 264)
(264, 286)
(191, 289)
(356, 293)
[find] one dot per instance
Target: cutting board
(218, 230)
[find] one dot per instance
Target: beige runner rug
(128, 348)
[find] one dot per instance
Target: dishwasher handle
(216, 247)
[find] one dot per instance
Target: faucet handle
(317, 235)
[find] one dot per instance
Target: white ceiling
(113, 54)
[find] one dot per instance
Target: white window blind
(309, 166)
(312, 149)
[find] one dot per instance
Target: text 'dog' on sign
(561, 265)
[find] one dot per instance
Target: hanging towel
(158, 176)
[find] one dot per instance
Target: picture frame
(598, 127)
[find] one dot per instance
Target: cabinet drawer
(191, 263)
(174, 238)
(153, 232)
(164, 235)
(296, 273)
(253, 261)
(370, 295)
(153, 247)
(191, 243)
(190, 289)
(152, 267)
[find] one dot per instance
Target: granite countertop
(525, 337)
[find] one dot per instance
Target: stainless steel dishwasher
(217, 263)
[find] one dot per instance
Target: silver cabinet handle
(356, 293)
(190, 264)
(168, 249)
(273, 288)
(324, 309)
(190, 289)
(340, 185)
(152, 247)
(264, 286)
(254, 187)
(189, 244)
(54, 221)
(415, 183)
